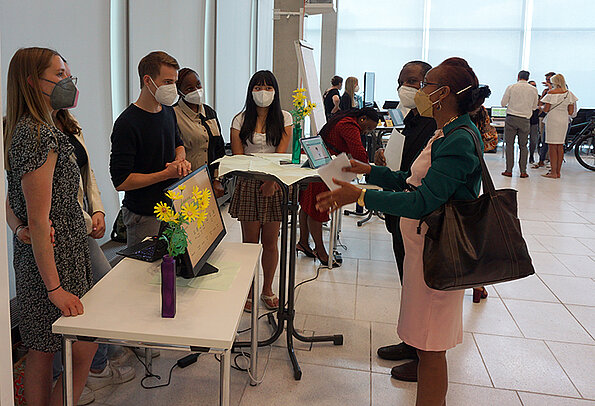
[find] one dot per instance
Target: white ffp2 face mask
(263, 98)
(165, 94)
(195, 97)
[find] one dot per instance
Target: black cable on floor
(152, 375)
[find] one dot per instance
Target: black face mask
(65, 94)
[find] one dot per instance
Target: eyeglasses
(423, 84)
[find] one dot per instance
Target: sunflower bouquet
(302, 106)
(192, 210)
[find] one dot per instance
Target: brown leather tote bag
(477, 242)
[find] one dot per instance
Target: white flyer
(334, 169)
(394, 150)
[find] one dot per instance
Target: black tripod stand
(286, 312)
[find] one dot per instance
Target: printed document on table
(334, 169)
(394, 150)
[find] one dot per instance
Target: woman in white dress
(559, 104)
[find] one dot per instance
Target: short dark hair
(151, 64)
(550, 74)
(424, 66)
(524, 75)
(336, 80)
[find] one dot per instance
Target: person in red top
(343, 133)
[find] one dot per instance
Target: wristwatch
(360, 199)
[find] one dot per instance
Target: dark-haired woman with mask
(261, 128)
(199, 126)
(341, 134)
(448, 167)
(43, 182)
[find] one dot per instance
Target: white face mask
(195, 97)
(356, 89)
(165, 94)
(406, 97)
(263, 98)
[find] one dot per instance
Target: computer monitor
(498, 112)
(315, 151)
(201, 241)
(369, 83)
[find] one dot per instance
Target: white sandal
(266, 298)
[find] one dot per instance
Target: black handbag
(471, 243)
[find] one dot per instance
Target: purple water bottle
(168, 287)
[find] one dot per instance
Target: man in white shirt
(520, 100)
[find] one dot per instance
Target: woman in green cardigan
(447, 168)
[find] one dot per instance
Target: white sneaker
(122, 357)
(141, 352)
(86, 397)
(111, 375)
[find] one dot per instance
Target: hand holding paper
(394, 150)
(334, 169)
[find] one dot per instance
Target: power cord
(181, 363)
(245, 356)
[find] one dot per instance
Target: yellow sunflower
(162, 210)
(173, 195)
(182, 187)
(204, 199)
(189, 211)
(202, 216)
(196, 194)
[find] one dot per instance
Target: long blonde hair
(559, 81)
(350, 84)
(23, 91)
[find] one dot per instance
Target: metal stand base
(286, 313)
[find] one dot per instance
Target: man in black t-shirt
(147, 152)
(418, 131)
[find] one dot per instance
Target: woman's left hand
(98, 219)
(332, 201)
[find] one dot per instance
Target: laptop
(149, 250)
(397, 117)
(498, 112)
(316, 152)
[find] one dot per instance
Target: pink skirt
(429, 320)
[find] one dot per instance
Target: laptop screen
(499, 112)
(201, 241)
(397, 117)
(316, 151)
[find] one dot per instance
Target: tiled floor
(530, 343)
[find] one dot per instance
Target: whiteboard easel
(305, 56)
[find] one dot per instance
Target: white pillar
(328, 49)
(6, 379)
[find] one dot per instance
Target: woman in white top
(261, 127)
(559, 104)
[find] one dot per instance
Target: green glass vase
(296, 149)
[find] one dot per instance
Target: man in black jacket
(418, 130)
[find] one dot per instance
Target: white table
(125, 308)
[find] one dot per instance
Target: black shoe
(405, 372)
(397, 352)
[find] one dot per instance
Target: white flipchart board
(305, 57)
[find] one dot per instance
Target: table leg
(149, 361)
(224, 378)
(254, 331)
(67, 378)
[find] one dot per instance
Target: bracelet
(19, 227)
(55, 289)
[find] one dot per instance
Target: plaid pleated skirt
(248, 203)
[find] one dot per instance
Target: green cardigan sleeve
(387, 179)
(455, 170)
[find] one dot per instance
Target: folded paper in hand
(334, 169)
(394, 150)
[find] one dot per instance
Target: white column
(527, 28)
(328, 49)
(6, 379)
(425, 47)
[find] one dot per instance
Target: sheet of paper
(334, 169)
(394, 150)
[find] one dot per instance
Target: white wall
(80, 32)
(232, 58)
(176, 28)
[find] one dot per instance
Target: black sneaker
(405, 372)
(397, 352)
